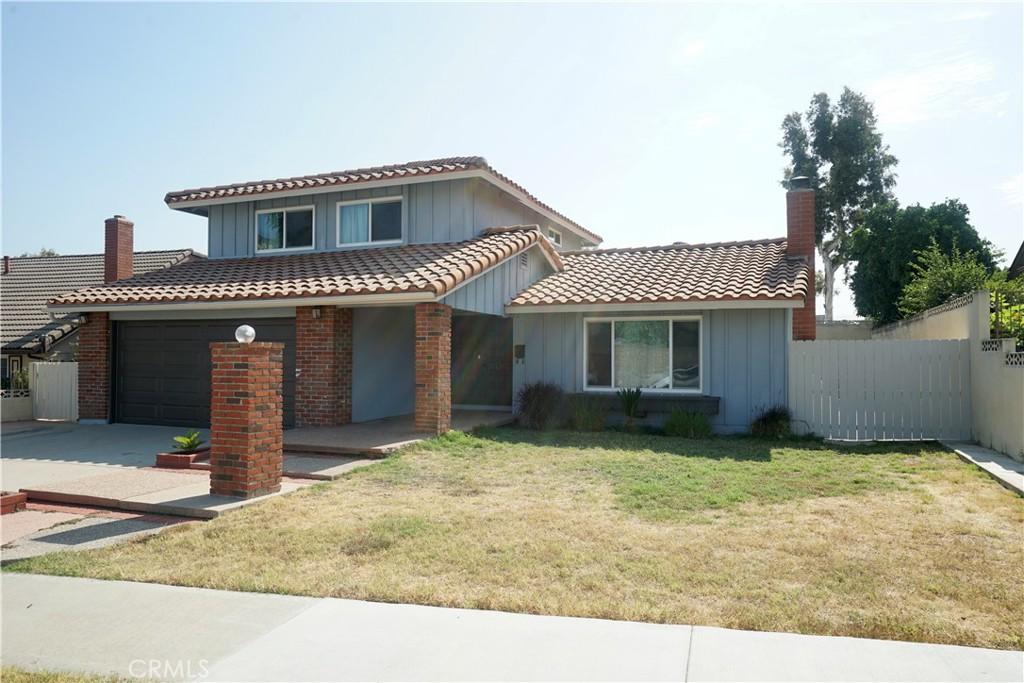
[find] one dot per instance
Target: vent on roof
(524, 260)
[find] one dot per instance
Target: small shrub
(539, 403)
(189, 442)
(687, 424)
(630, 400)
(772, 423)
(586, 414)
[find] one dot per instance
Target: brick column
(323, 360)
(433, 368)
(800, 242)
(246, 413)
(94, 368)
(118, 256)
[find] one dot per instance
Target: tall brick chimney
(117, 248)
(800, 243)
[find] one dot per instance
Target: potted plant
(188, 448)
(630, 400)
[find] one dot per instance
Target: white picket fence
(54, 391)
(881, 389)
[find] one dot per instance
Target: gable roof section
(430, 270)
(25, 324)
(350, 179)
(727, 271)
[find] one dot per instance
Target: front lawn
(903, 542)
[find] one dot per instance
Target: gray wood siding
(491, 291)
(383, 368)
(743, 357)
(434, 212)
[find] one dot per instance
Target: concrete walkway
(133, 629)
(1002, 468)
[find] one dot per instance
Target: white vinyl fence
(881, 389)
(54, 391)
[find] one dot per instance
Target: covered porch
(382, 436)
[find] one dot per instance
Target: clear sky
(646, 124)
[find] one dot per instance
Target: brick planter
(246, 440)
(182, 461)
(12, 502)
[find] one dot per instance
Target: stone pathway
(1002, 468)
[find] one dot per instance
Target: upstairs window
(284, 229)
(375, 221)
(555, 237)
(661, 354)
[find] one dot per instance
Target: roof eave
(656, 306)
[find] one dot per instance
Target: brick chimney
(117, 248)
(800, 244)
(7, 264)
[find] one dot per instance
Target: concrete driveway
(42, 454)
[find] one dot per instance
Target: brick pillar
(800, 242)
(94, 368)
(343, 354)
(433, 368)
(323, 361)
(246, 412)
(118, 256)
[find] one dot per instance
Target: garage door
(163, 368)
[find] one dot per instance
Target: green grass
(903, 542)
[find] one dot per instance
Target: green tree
(888, 241)
(939, 277)
(838, 147)
(44, 251)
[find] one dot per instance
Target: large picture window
(376, 221)
(660, 354)
(284, 229)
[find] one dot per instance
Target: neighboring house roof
(728, 271)
(360, 176)
(1016, 269)
(26, 325)
(430, 270)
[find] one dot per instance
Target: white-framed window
(555, 236)
(285, 229)
(370, 221)
(659, 354)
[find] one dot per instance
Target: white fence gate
(881, 389)
(54, 391)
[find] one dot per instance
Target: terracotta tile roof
(428, 268)
(412, 169)
(24, 322)
(674, 273)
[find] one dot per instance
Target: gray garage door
(163, 368)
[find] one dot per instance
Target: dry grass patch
(900, 542)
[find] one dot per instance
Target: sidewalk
(1002, 468)
(176, 633)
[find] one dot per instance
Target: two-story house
(414, 288)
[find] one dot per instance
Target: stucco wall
(743, 356)
(15, 409)
(997, 400)
(957, 319)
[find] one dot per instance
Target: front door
(481, 360)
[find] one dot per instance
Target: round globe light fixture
(245, 334)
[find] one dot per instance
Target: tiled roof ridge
(468, 161)
(410, 168)
(676, 246)
(435, 268)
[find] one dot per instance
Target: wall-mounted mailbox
(519, 351)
